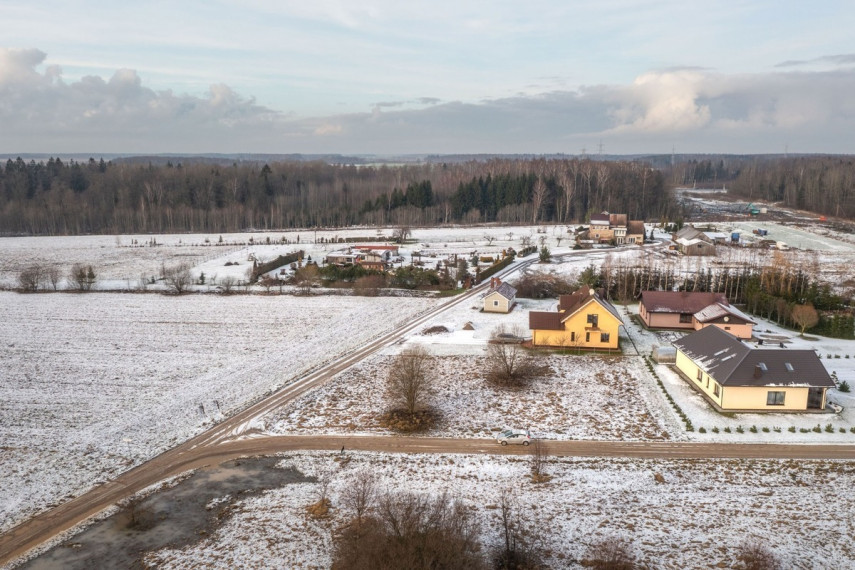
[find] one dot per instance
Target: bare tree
(525, 240)
(360, 495)
(537, 195)
(805, 316)
(31, 277)
(178, 277)
(228, 283)
(518, 552)
(539, 455)
(401, 233)
(306, 278)
(82, 277)
(489, 239)
(508, 363)
(410, 384)
(53, 276)
(267, 282)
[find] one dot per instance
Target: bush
(702, 430)
(609, 554)
(817, 429)
(844, 387)
(727, 429)
(829, 428)
(766, 429)
(410, 531)
(715, 430)
(791, 429)
(740, 429)
(755, 556)
(753, 429)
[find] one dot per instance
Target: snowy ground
(697, 518)
(95, 383)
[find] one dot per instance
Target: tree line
(823, 184)
(66, 197)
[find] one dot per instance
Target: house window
(774, 398)
(685, 317)
(708, 382)
(700, 374)
(495, 303)
(715, 389)
(604, 337)
(593, 320)
(727, 328)
(587, 337)
(573, 336)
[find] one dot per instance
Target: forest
(92, 197)
(822, 184)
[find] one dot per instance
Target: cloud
(40, 108)
(844, 59)
(697, 109)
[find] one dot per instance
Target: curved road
(230, 440)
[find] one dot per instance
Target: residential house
(608, 228)
(736, 377)
(500, 297)
(583, 320)
(693, 310)
(692, 241)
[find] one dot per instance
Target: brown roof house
(583, 320)
(606, 227)
(693, 310)
(736, 377)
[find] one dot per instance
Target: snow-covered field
(95, 383)
(697, 518)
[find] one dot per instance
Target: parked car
(514, 436)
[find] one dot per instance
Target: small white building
(500, 298)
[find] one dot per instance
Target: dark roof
(679, 301)
(600, 218)
(506, 291)
(635, 227)
(732, 363)
(543, 320)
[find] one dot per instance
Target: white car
(514, 436)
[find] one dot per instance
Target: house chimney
(498, 281)
(758, 371)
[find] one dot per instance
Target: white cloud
(701, 110)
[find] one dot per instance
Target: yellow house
(499, 298)
(584, 320)
(736, 377)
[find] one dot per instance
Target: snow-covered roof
(719, 310)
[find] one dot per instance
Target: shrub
(609, 554)
(755, 556)
(804, 430)
(844, 386)
(792, 429)
(727, 429)
(852, 429)
(715, 430)
(753, 429)
(842, 430)
(829, 428)
(817, 429)
(702, 430)
(776, 429)
(765, 429)
(740, 429)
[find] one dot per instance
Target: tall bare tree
(410, 383)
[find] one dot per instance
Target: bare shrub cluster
(407, 530)
(610, 554)
(753, 555)
(520, 549)
(509, 365)
(544, 285)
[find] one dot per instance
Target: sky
(442, 77)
